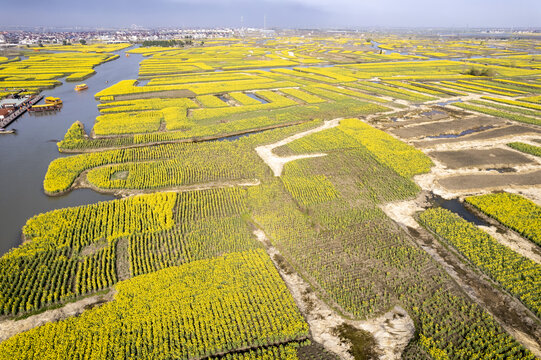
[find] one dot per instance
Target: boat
(4, 131)
(81, 87)
(127, 55)
(53, 100)
(45, 107)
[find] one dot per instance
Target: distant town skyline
(277, 13)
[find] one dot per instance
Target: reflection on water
(25, 156)
(255, 97)
(456, 206)
(463, 133)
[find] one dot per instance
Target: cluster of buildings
(45, 36)
(13, 106)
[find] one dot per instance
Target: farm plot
(497, 112)
(446, 128)
(40, 71)
(45, 268)
(517, 274)
(496, 133)
(512, 210)
(218, 123)
(191, 279)
(72, 252)
(350, 231)
(473, 182)
(157, 166)
(480, 158)
(205, 308)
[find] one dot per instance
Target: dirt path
(392, 331)
(9, 328)
(533, 194)
(123, 259)
(180, 188)
(515, 243)
(276, 163)
(512, 315)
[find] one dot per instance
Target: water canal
(25, 156)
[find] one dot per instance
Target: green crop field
(274, 191)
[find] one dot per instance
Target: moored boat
(53, 100)
(45, 107)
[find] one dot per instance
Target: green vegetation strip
(513, 102)
(499, 113)
(510, 109)
(390, 91)
(526, 148)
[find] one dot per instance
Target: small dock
(18, 112)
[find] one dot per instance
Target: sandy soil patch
(515, 242)
(9, 328)
(534, 194)
(94, 247)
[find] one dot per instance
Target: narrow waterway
(457, 207)
(25, 156)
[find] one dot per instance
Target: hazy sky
(279, 13)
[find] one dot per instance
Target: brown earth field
(480, 158)
(486, 181)
(420, 118)
(483, 135)
(446, 127)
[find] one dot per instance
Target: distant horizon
(137, 27)
(282, 14)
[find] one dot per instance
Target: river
(25, 156)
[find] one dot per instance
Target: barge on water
(51, 100)
(51, 104)
(45, 107)
(81, 87)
